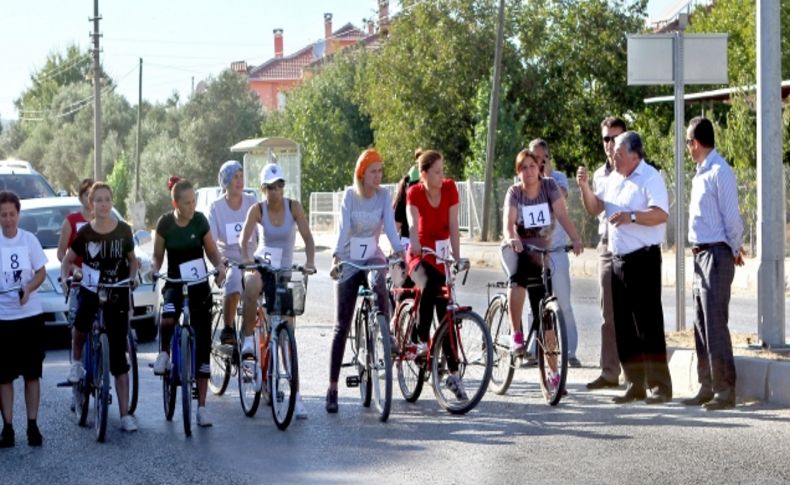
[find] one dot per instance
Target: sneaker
(456, 385)
(227, 336)
(517, 346)
(76, 372)
(203, 419)
(331, 401)
(574, 362)
(34, 437)
(7, 437)
(554, 380)
(421, 350)
(247, 348)
(299, 410)
(129, 423)
(162, 364)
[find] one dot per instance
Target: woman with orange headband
(365, 211)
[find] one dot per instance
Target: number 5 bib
(537, 215)
(271, 256)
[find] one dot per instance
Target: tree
(121, 181)
(161, 158)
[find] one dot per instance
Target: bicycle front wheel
(250, 378)
(380, 365)
(499, 327)
(552, 347)
(101, 385)
(82, 391)
(185, 374)
(361, 350)
(284, 377)
(220, 358)
(461, 363)
(411, 373)
(134, 371)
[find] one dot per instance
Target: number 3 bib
(192, 270)
(537, 215)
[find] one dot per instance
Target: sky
(177, 39)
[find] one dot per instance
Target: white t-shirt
(643, 189)
(20, 258)
(227, 224)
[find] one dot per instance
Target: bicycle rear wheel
(411, 373)
(220, 358)
(284, 376)
(470, 347)
(504, 364)
(185, 375)
(134, 371)
(552, 348)
(101, 385)
(361, 350)
(380, 365)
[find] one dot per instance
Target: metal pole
(493, 111)
(680, 176)
(139, 124)
(97, 136)
(770, 179)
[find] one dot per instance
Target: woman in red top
(432, 209)
(74, 221)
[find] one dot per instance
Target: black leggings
(116, 322)
(200, 306)
(432, 299)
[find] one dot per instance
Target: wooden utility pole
(493, 111)
(97, 136)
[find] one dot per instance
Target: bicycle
(371, 345)
(460, 337)
(274, 367)
(182, 356)
(95, 380)
(550, 339)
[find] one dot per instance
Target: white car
(43, 217)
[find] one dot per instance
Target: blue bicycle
(182, 357)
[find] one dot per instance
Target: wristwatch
(633, 217)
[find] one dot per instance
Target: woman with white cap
(226, 219)
(365, 212)
(279, 217)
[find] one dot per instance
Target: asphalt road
(506, 439)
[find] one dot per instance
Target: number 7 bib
(363, 247)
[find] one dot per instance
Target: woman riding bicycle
(22, 270)
(106, 248)
(432, 208)
(185, 234)
(74, 221)
(226, 219)
(530, 210)
(279, 218)
(364, 213)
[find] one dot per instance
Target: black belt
(637, 252)
(698, 248)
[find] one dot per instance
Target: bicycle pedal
(352, 381)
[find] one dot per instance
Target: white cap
(271, 173)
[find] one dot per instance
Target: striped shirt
(713, 208)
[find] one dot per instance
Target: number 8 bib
(15, 258)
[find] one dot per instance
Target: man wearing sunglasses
(715, 233)
(610, 362)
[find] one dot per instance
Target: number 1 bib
(90, 278)
(537, 215)
(442, 248)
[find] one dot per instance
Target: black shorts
(269, 281)
(200, 306)
(21, 348)
(116, 323)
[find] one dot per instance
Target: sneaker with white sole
(456, 385)
(129, 423)
(299, 410)
(203, 419)
(76, 372)
(162, 364)
(517, 345)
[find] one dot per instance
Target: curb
(758, 379)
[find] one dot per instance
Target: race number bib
(15, 258)
(405, 241)
(363, 248)
(233, 233)
(271, 256)
(443, 248)
(536, 215)
(90, 278)
(192, 270)
(79, 225)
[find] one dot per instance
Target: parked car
(19, 177)
(44, 217)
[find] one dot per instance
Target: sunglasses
(607, 138)
(276, 185)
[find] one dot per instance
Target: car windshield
(45, 222)
(26, 186)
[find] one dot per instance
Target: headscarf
(365, 160)
(227, 171)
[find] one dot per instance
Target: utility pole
(97, 137)
(139, 125)
(680, 176)
(493, 112)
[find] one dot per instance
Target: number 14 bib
(537, 215)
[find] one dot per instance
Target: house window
(280, 100)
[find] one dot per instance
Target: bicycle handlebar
(370, 267)
(566, 248)
(268, 267)
(18, 289)
(456, 263)
(71, 283)
(181, 281)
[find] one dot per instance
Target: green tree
(161, 158)
(121, 181)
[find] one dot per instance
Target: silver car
(43, 217)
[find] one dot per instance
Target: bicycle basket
(294, 298)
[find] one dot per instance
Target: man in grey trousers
(610, 361)
(715, 233)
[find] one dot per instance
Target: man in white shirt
(636, 204)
